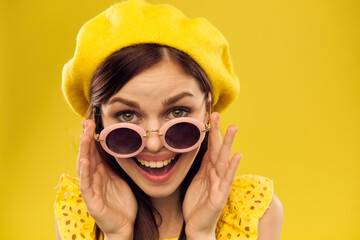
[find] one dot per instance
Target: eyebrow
(124, 101)
(176, 98)
(165, 103)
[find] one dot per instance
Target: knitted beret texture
(134, 22)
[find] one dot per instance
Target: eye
(178, 112)
(126, 116)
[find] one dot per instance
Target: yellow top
(249, 198)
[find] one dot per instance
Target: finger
(224, 157)
(215, 140)
(203, 167)
(98, 187)
(84, 148)
(230, 173)
(85, 180)
(214, 180)
(93, 154)
(215, 183)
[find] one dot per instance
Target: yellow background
(298, 112)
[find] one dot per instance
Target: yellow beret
(132, 22)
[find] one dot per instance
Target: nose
(153, 142)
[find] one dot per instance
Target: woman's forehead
(160, 82)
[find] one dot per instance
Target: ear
(209, 97)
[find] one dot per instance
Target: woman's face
(156, 95)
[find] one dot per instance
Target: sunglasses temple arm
(207, 127)
(97, 137)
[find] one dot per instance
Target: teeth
(158, 164)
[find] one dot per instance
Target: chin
(161, 191)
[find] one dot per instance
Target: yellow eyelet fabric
(74, 222)
(249, 198)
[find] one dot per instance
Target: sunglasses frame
(144, 134)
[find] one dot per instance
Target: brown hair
(111, 75)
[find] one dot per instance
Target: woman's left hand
(209, 190)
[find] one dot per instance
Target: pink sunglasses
(125, 140)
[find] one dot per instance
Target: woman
(152, 163)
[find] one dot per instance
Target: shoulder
(73, 220)
(271, 222)
(249, 199)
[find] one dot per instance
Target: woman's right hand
(108, 198)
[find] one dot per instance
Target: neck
(170, 209)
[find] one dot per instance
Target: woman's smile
(157, 170)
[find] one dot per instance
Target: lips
(157, 171)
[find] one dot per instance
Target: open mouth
(158, 167)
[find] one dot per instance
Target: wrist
(196, 232)
(207, 235)
(202, 237)
(125, 232)
(118, 236)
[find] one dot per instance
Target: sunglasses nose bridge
(151, 131)
(153, 143)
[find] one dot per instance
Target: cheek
(124, 162)
(191, 155)
(189, 158)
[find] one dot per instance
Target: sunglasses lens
(182, 135)
(123, 141)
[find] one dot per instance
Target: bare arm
(57, 230)
(271, 223)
